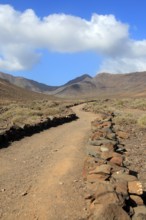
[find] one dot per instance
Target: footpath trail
(41, 175)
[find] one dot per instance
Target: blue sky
(56, 41)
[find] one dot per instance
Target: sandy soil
(40, 176)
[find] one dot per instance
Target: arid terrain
(41, 174)
(101, 85)
(130, 117)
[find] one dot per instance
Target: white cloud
(130, 58)
(23, 33)
(123, 65)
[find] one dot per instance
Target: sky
(54, 41)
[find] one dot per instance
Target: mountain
(78, 86)
(78, 79)
(39, 87)
(114, 84)
(9, 91)
(27, 83)
(106, 84)
(103, 84)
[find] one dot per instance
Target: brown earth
(102, 85)
(40, 176)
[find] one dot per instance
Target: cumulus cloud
(130, 58)
(24, 33)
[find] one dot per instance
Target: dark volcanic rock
(16, 133)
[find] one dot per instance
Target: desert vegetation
(20, 113)
(127, 111)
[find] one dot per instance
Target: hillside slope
(12, 92)
(27, 83)
(103, 84)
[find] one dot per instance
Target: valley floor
(40, 176)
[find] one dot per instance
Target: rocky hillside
(132, 83)
(9, 91)
(26, 83)
(103, 84)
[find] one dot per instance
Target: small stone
(106, 198)
(106, 194)
(106, 155)
(104, 149)
(90, 164)
(122, 134)
(119, 170)
(24, 194)
(102, 169)
(92, 178)
(117, 160)
(97, 136)
(136, 200)
(3, 190)
(135, 187)
(101, 142)
(107, 147)
(122, 188)
(124, 176)
(111, 136)
(61, 183)
(93, 151)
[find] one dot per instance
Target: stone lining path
(113, 190)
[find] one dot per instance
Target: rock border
(112, 190)
(17, 133)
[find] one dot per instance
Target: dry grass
(142, 121)
(128, 112)
(21, 113)
(20, 106)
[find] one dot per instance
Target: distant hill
(130, 84)
(12, 92)
(27, 83)
(78, 79)
(103, 84)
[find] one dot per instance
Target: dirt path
(40, 176)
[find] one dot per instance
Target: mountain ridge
(85, 85)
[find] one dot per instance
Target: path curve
(40, 176)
